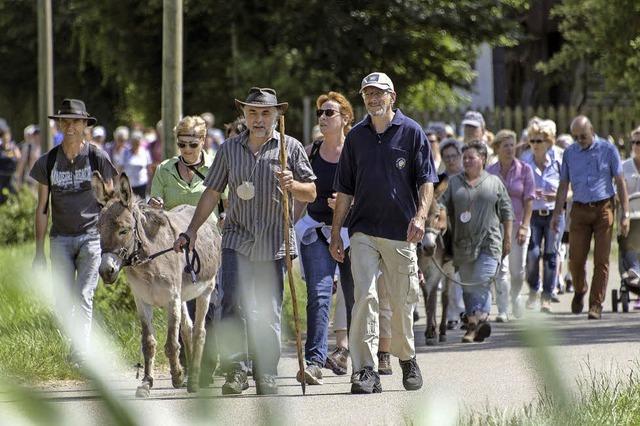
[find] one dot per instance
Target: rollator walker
(628, 259)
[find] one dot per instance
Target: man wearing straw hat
(64, 173)
(253, 238)
(386, 169)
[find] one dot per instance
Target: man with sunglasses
(253, 238)
(387, 170)
(590, 165)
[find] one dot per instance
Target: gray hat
(262, 98)
(379, 80)
(473, 118)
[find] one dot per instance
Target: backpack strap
(51, 161)
(315, 149)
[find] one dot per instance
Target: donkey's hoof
(177, 380)
(193, 386)
(443, 338)
(143, 391)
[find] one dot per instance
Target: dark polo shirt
(383, 173)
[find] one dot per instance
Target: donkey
(430, 251)
(130, 232)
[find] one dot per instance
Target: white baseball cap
(99, 132)
(379, 80)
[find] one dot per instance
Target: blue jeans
(477, 298)
(319, 268)
(627, 258)
(250, 316)
(541, 230)
(76, 259)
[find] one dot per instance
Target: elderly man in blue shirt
(591, 166)
(387, 169)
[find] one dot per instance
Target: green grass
(29, 329)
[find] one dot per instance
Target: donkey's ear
(124, 189)
(103, 195)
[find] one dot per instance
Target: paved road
(499, 373)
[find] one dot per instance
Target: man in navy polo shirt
(590, 166)
(387, 169)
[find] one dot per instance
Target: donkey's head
(435, 223)
(117, 225)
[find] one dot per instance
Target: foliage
(111, 55)
(602, 36)
(16, 217)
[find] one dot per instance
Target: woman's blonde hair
(546, 128)
(345, 106)
(502, 136)
(191, 125)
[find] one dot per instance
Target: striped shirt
(255, 227)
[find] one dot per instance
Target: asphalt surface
(501, 373)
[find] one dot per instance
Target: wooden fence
(615, 121)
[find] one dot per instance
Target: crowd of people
(517, 209)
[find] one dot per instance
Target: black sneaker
(312, 375)
(411, 376)
(367, 381)
(266, 385)
(236, 383)
(337, 361)
(482, 331)
(384, 363)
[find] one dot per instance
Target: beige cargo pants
(397, 260)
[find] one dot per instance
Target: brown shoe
(472, 325)
(577, 303)
(595, 312)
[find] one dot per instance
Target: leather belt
(593, 203)
(542, 212)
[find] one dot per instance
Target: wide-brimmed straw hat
(262, 98)
(74, 108)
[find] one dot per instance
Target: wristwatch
(626, 215)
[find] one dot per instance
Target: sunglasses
(635, 142)
(536, 140)
(328, 112)
(192, 145)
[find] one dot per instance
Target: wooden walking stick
(287, 255)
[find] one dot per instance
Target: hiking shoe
(312, 375)
(337, 361)
(502, 317)
(482, 331)
(235, 383)
(266, 385)
(367, 381)
(546, 305)
(384, 364)
(577, 303)
(595, 312)
(411, 376)
(470, 334)
(532, 301)
(452, 324)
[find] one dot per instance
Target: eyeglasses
(451, 157)
(328, 112)
(374, 94)
(192, 145)
(534, 141)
